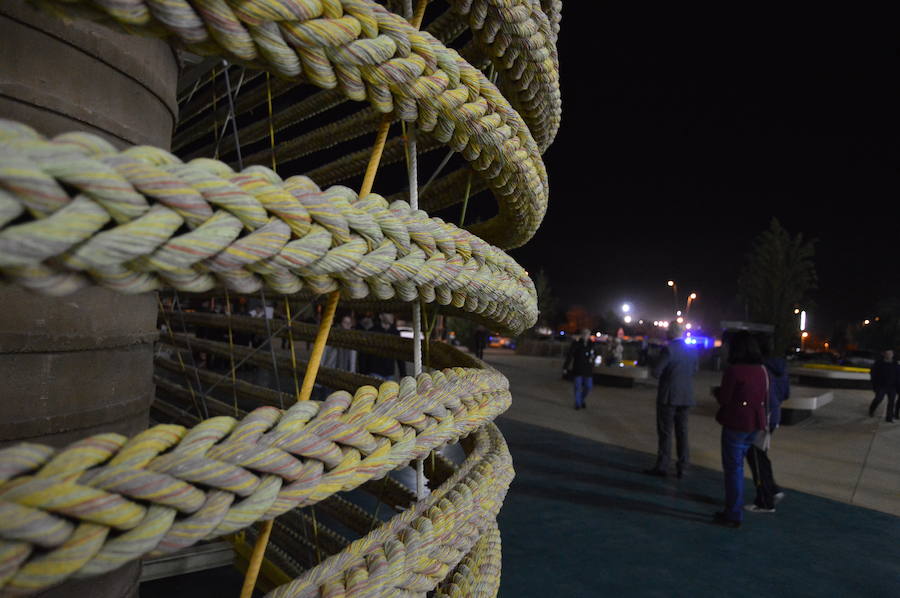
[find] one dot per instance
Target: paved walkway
(838, 453)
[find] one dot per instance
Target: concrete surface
(838, 453)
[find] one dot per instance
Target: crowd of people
(753, 386)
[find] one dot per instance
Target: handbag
(763, 438)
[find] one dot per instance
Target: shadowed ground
(581, 520)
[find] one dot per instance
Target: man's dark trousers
(880, 393)
(667, 418)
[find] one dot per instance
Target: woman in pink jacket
(742, 413)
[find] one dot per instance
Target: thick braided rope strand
(524, 56)
(478, 574)
(520, 41)
(369, 53)
(415, 550)
(141, 220)
(169, 487)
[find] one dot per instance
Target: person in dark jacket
(580, 359)
(376, 365)
(742, 401)
(674, 398)
(767, 491)
(884, 382)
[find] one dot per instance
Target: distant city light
(678, 313)
(679, 319)
(805, 334)
(693, 295)
(640, 321)
(628, 319)
(866, 322)
(688, 325)
(656, 322)
(671, 283)
(626, 308)
(803, 320)
(796, 311)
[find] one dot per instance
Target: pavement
(838, 453)
(581, 520)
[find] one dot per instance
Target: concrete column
(83, 363)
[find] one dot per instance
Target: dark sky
(670, 161)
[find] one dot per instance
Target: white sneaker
(755, 509)
(779, 496)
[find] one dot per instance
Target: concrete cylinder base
(80, 364)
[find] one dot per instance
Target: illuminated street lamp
(627, 319)
(674, 286)
(690, 299)
(626, 308)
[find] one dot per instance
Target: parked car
(859, 359)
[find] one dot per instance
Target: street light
(627, 319)
(674, 286)
(690, 299)
(626, 308)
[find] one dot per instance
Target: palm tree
(779, 275)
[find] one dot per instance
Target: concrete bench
(830, 377)
(620, 376)
(802, 403)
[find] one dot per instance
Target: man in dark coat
(767, 491)
(580, 362)
(674, 398)
(884, 383)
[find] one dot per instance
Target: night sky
(669, 162)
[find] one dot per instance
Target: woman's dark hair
(744, 349)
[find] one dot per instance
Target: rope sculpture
(254, 469)
(180, 225)
(75, 211)
(368, 53)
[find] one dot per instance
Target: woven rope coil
(169, 487)
(413, 552)
(191, 226)
(370, 54)
(478, 574)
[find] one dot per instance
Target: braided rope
(477, 575)
(266, 464)
(298, 234)
(425, 542)
(369, 53)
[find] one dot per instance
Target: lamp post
(674, 286)
(690, 299)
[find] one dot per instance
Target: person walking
(580, 363)
(884, 382)
(481, 340)
(674, 398)
(767, 491)
(742, 401)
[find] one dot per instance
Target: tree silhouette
(546, 302)
(779, 276)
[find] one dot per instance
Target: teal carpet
(582, 520)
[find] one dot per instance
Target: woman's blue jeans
(582, 386)
(735, 444)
